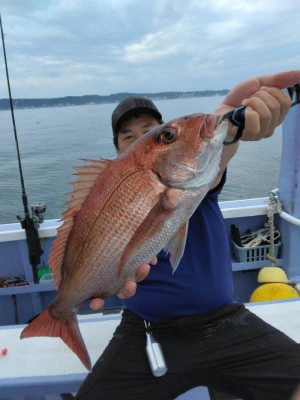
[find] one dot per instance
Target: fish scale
(119, 228)
(123, 212)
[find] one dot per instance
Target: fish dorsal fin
(86, 177)
(176, 245)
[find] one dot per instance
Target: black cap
(140, 104)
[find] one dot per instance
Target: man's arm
(266, 106)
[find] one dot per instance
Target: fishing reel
(38, 212)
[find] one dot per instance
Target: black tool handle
(294, 93)
(237, 118)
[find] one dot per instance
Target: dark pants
(231, 350)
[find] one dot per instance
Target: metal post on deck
(289, 188)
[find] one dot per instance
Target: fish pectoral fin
(176, 245)
(48, 324)
(151, 224)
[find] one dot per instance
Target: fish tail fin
(48, 324)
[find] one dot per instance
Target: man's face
(133, 129)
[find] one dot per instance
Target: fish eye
(166, 136)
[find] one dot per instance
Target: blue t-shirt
(203, 281)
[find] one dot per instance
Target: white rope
(271, 209)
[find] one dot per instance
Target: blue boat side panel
(41, 385)
(289, 190)
(289, 178)
(10, 261)
(32, 299)
(245, 282)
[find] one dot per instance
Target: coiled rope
(271, 209)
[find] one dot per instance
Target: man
(206, 338)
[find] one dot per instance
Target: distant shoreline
(96, 99)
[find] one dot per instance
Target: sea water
(53, 140)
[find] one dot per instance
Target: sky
(59, 48)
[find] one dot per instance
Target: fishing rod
(29, 224)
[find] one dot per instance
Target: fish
(123, 212)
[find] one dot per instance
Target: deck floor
(24, 362)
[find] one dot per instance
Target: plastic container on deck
(251, 254)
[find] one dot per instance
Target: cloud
(66, 47)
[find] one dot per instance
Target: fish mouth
(220, 133)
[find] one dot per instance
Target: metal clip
(154, 353)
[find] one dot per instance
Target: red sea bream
(125, 211)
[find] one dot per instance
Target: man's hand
(266, 104)
(129, 289)
(266, 107)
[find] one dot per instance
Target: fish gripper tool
(237, 118)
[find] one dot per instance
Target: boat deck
(38, 367)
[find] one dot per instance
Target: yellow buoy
(272, 274)
(273, 291)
